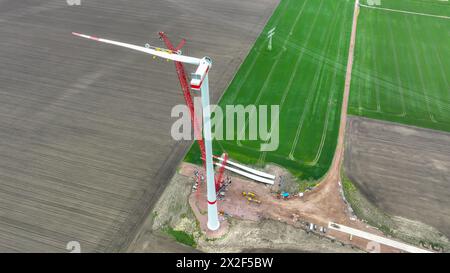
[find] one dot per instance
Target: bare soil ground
(271, 236)
(170, 210)
(402, 170)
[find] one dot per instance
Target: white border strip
(376, 238)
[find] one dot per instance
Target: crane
(186, 92)
(187, 95)
(199, 82)
(188, 98)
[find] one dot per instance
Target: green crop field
(304, 74)
(401, 71)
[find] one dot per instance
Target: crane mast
(188, 98)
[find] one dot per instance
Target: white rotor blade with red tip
(162, 54)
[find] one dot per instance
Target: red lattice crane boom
(220, 174)
(188, 98)
(186, 92)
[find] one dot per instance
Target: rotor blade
(161, 54)
(245, 168)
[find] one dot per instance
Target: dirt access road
(333, 175)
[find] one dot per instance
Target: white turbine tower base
(199, 82)
(213, 220)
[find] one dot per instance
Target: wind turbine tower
(200, 82)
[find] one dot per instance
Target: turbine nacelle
(198, 77)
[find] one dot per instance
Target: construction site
(87, 123)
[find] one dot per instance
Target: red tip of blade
(86, 36)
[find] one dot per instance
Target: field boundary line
(407, 12)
